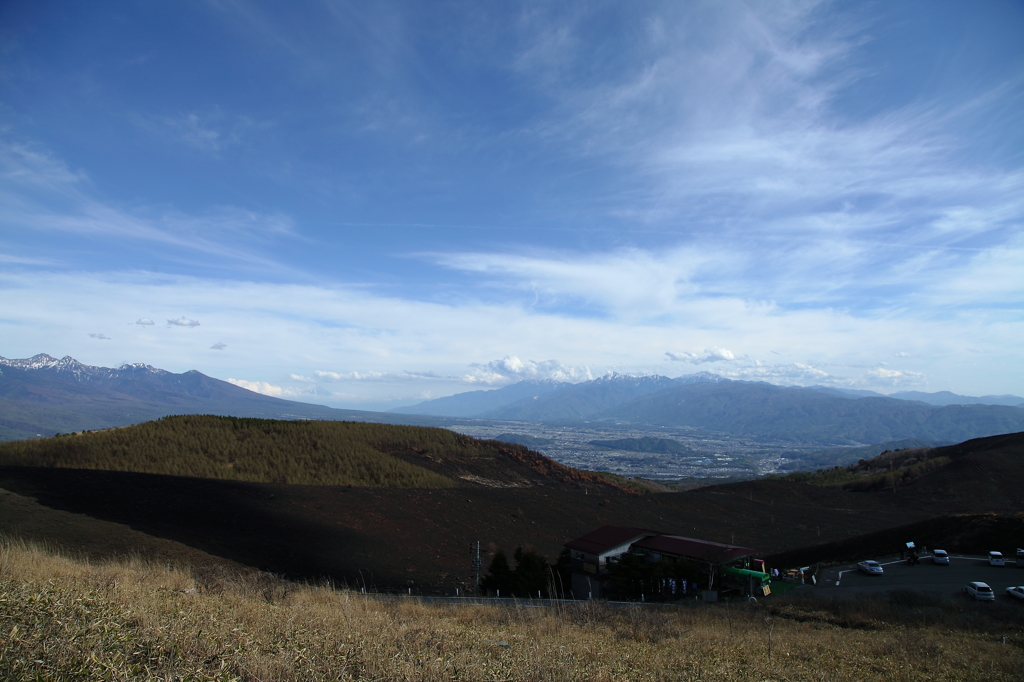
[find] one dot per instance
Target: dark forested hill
(298, 452)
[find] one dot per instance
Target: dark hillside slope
(986, 472)
(415, 537)
(799, 414)
(299, 452)
(400, 537)
(996, 460)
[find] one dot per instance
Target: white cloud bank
(893, 377)
(259, 387)
(285, 392)
(182, 322)
(714, 354)
(511, 369)
(395, 349)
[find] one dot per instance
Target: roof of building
(693, 548)
(608, 537)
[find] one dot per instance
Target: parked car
(939, 556)
(996, 559)
(870, 567)
(1015, 592)
(980, 591)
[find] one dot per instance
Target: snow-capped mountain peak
(701, 378)
(616, 377)
(68, 365)
(40, 361)
(140, 367)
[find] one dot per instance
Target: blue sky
(368, 204)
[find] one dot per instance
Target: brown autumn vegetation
(300, 452)
(64, 618)
(895, 468)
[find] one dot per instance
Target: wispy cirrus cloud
(212, 132)
(41, 193)
(736, 133)
(24, 260)
(768, 178)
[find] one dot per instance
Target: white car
(870, 567)
(1015, 592)
(980, 591)
(996, 559)
(939, 556)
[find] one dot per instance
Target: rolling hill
(299, 452)
(503, 496)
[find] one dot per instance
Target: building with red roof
(595, 554)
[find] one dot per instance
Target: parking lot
(924, 577)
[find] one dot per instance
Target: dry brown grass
(63, 618)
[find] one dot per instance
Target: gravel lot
(924, 577)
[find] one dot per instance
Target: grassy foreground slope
(71, 620)
(296, 452)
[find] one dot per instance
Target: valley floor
(66, 618)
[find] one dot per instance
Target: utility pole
(476, 564)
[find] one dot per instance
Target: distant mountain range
(551, 400)
(558, 401)
(941, 398)
(477, 403)
(810, 415)
(754, 409)
(42, 395)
